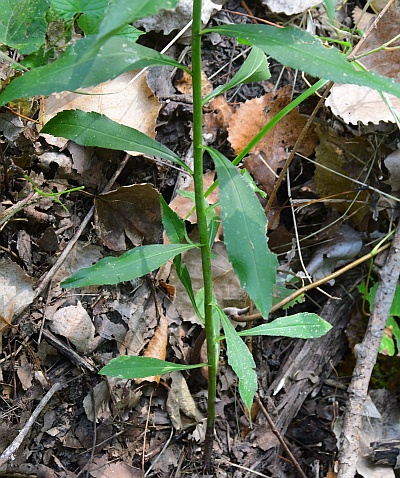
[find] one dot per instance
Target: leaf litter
(100, 323)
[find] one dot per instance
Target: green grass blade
(129, 366)
(135, 263)
(301, 50)
(84, 64)
(94, 129)
(303, 326)
(255, 68)
(174, 226)
(245, 224)
(240, 359)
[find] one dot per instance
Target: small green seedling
(109, 50)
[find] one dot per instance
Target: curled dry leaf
(157, 347)
(271, 152)
(131, 211)
(180, 402)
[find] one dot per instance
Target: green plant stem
(202, 227)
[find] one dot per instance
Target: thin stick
(10, 450)
(279, 437)
(366, 354)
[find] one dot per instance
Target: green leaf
(303, 326)
(23, 25)
(240, 359)
(184, 276)
(301, 50)
(255, 68)
(85, 63)
(129, 366)
(174, 226)
(90, 12)
(330, 10)
(122, 12)
(135, 263)
(94, 129)
(245, 225)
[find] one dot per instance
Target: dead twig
(11, 449)
(366, 354)
(276, 432)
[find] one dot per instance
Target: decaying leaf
(183, 205)
(227, 288)
(132, 211)
(102, 468)
(123, 100)
(157, 347)
(289, 7)
(392, 163)
(74, 323)
(24, 372)
(180, 403)
(349, 158)
(16, 289)
(345, 244)
(272, 151)
(358, 103)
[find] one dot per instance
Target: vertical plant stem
(202, 226)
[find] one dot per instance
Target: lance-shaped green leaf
(174, 226)
(122, 12)
(94, 129)
(85, 63)
(301, 50)
(255, 68)
(128, 367)
(240, 359)
(23, 24)
(132, 264)
(245, 225)
(303, 326)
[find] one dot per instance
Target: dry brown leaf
(101, 468)
(131, 104)
(157, 347)
(184, 85)
(180, 401)
(271, 152)
(133, 211)
(347, 158)
(24, 372)
(392, 163)
(358, 103)
(182, 205)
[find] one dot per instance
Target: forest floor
(100, 427)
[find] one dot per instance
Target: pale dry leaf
(24, 372)
(272, 151)
(180, 401)
(358, 103)
(290, 7)
(128, 102)
(100, 395)
(101, 468)
(177, 18)
(184, 85)
(16, 288)
(74, 323)
(362, 20)
(355, 103)
(392, 163)
(132, 211)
